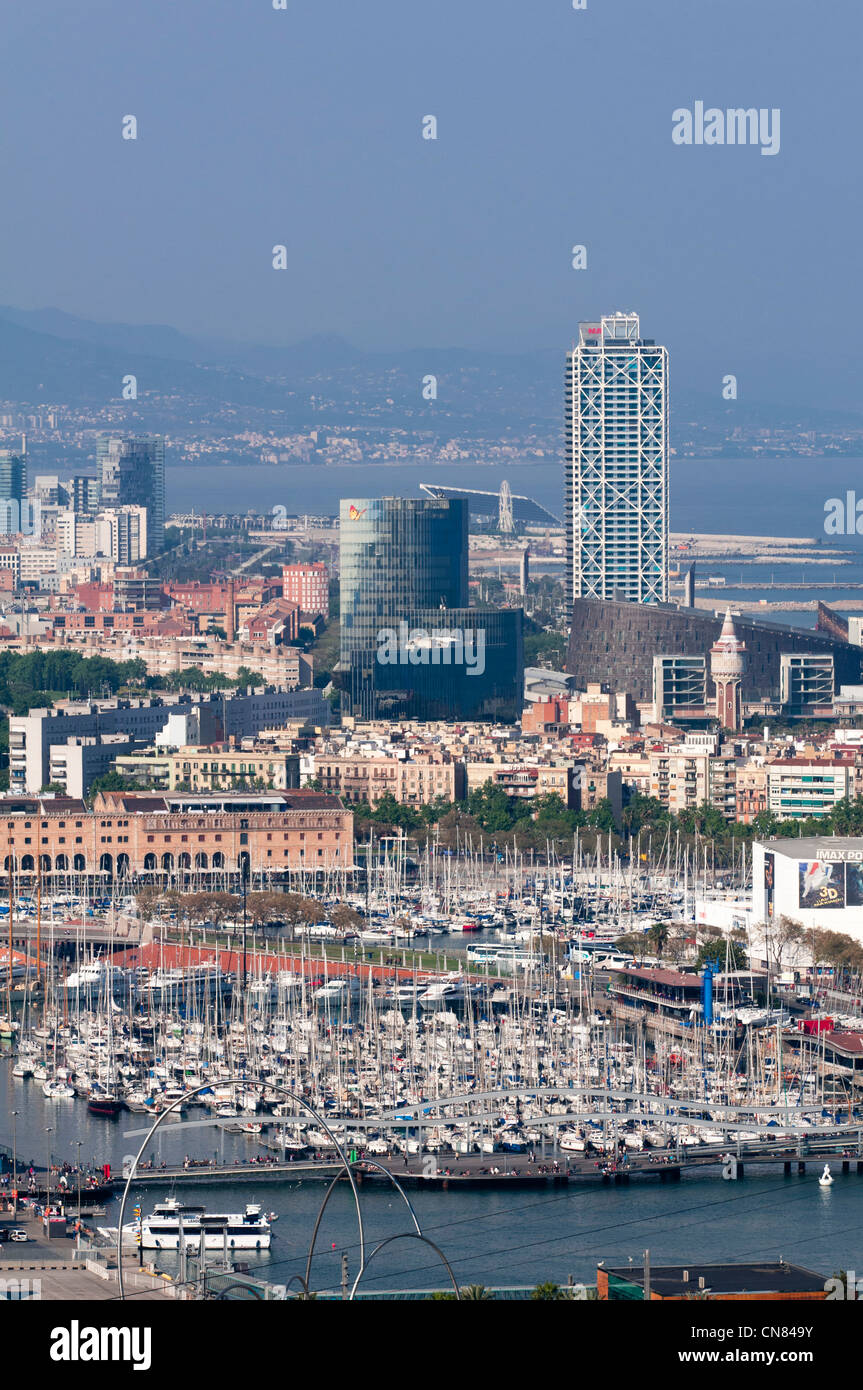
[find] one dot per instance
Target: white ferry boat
(161, 1230)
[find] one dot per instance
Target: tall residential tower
(132, 473)
(617, 463)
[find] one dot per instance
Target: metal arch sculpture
(233, 1081)
(299, 1278)
(254, 1294)
(407, 1235)
(368, 1163)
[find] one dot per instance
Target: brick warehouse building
(129, 834)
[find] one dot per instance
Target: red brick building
(154, 835)
(274, 624)
(308, 586)
(545, 716)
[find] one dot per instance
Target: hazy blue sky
(304, 127)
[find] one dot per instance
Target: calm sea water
(489, 1237)
(761, 497)
(767, 497)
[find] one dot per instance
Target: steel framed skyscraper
(617, 463)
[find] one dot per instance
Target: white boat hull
(212, 1242)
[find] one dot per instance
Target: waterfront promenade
(515, 1171)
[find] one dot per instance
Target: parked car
(18, 1235)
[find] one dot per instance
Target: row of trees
(487, 812)
(676, 942)
(225, 909)
(534, 822)
(37, 678)
(191, 678)
(643, 814)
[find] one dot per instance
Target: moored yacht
(169, 1223)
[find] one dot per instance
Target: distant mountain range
(66, 367)
(48, 356)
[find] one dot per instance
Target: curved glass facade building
(398, 554)
(410, 645)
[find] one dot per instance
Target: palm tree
(549, 1293)
(658, 937)
(476, 1291)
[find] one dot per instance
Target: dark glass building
(458, 663)
(410, 645)
(13, 485)
(616, 642)
(16, 514)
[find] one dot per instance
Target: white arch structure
(233, 1081)
(305, 1282)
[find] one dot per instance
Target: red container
(814, 1026)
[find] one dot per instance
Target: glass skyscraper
(410, 645)
(13, 492)
(617, 463)
(13, 476)
(398, 554)
(132, 473)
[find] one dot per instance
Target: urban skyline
(405, 798)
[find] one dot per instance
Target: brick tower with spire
(726, 668)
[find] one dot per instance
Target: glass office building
(410, 645)
(398, 554)
(617, 463)
(464, 663)
(16, 515)
(132, 473)
(13, 476)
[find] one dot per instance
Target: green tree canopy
(720, 951)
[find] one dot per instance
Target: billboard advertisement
(821, 885)
(769, 880)
(854, 885)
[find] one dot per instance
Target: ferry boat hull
(170, 1226)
